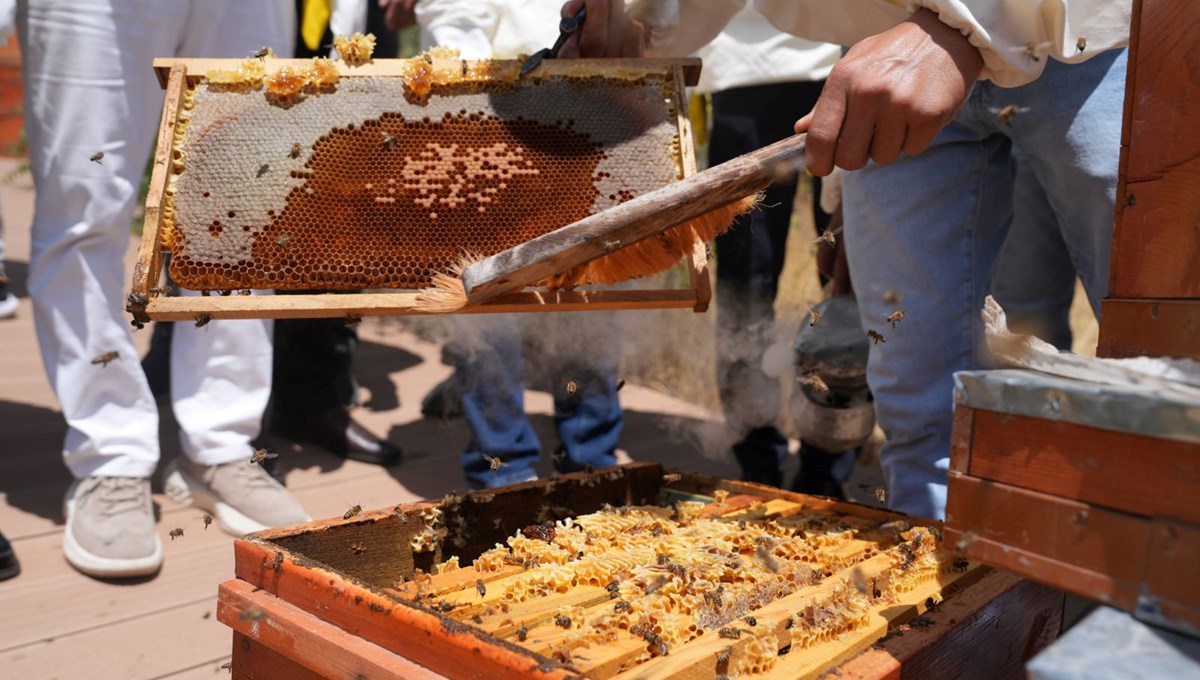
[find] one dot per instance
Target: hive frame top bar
(197, 68)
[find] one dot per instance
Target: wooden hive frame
(145, 301)
(325, 599)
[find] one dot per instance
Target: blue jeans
(930, 227)
(588, 420)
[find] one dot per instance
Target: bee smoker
(840, 418)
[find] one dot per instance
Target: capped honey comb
(381, 182)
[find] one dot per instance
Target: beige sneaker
(110, 528)
(240, 495)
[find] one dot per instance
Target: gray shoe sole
(184, 489)
(105, 567)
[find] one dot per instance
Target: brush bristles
(447, 294)
(655, 254)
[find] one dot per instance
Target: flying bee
(671, 478)
(891, 298)
(828, 236)
(764, 556)
(1034, 52)
(389, 140)
(104, 359)
(968, 539)
(176, 533)
(202, 320)
(479, 586)
(813, 318)
(352, 512)
(252, 614)
(817, 384)
(881, 494)
(494, 462)
(262, 454)
(1080, 44)
(559, 455)
(571, 387)
(207, 519)
(97, 157)
(610, 246)
(896, 316)
(1005, 115)
(227, 666)
(859, 580)
(295, 150)
(263, 53)
(876, 336)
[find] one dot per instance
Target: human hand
(398, 14)
(606, 33)
(892, 92)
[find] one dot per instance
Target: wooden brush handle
(647, 215)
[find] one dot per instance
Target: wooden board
(1151, 327)
(290, 573)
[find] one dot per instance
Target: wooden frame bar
(146, 303)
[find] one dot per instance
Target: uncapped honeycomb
(294, 178)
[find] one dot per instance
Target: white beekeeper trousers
(89, 88)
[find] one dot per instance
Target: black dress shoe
(9, 566)
(338, 433)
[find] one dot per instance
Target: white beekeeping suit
(479, 29)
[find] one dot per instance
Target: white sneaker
(241, 495)
(110, 528)
(8, 306)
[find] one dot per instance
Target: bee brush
(642, 236)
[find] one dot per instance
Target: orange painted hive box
(626, 572)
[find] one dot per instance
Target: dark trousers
(750, 259)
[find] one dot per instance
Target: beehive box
(1092, 489)
(382, 175)
(646, 576)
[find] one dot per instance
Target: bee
(559, 455)
(263, 53)
(97, 157)
(828, 236)
(859, 580)
(620, 384)
(1034, 52)
(572, 386)
(295, 150)
(353, 319)
(817, 384)
(227, 667)
(960, 564)
(464, 67)
(730, 633)
(522, 633)
(621, 606)
(891, 298)
(245, 291)
(613, 588)
(656, 585)
(389, 140)
(876, 336)
(671, 478)
(252, 614)
(562, 621)
(494, 462)
(260, 455)
(202, 320)
(263, 169)
(176, 533)
(881, 494)
(723, 656)
(358, 548)
(479, 586)
(610, 246)
(908, 556)
(497, 522)
(531, 563)
(764, 556)
(751, 621)
(282, 240)
(813, 318)
(278, 563)
(1005, 115)
(895, 316)
(106, 358)
(352, 512)
(207, 519)
(968, 539)
(1080, 44)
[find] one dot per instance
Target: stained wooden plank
(1116, 470)
(406, 304)
(1093, 552)
(961, 437)
(260, 662)
(329, 650)
(1151, 327)
(697, 260)
(1172, 591)
(639, 218)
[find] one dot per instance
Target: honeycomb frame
(147, 300)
